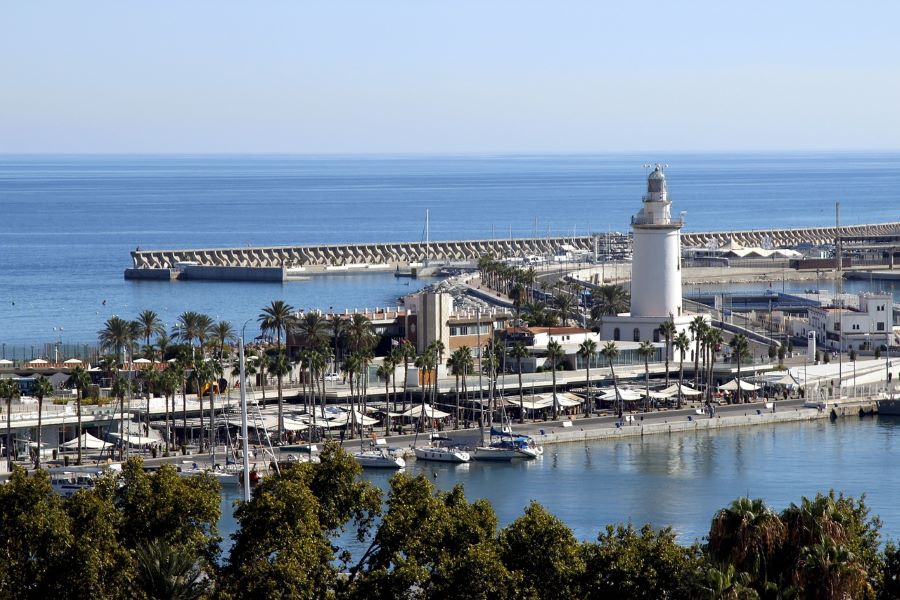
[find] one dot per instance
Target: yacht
(379, 458)
(435, 452)
(509, 448)
(66, 481)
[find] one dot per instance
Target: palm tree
(409, 353)
(280, 366)
(312, 328)
(149, 324)
(80, 379)
(682, 343)
(40, 389)
(748, 535)
(609, 299)
(119, 389)
(192, 325)
(9, 389)
(169, 384)
(668, 331)
(554, 355)
(587, 350)
(646, 350)
(166, 571)
(713, 340)
(276, 318)
(384, 372)
(351, 367)
(116, 335)
(610, 352)
(222, 335)
(455, 364)
(698, 329)
(518, 352)
(563, 303)
(338, 330)
(361, 333)
(202, 376)
(437, 354)
(741, 351)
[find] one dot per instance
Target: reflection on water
(682, 479)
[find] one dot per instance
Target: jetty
(279, 263)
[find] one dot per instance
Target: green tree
(564, 303)
(518, 352)
(456, 362)
(748, 535)
(148, 325)
(40, 390)
(9, 389)
(312, 329)
(668, 331)
(588, 350)
(384, 372)
(610, 352)
(544, 551)
(698, 329)
(627, 564)
(554, 354)
(80, 379)
(117, 334)
(712, 340)
(741, 351)
(646, 350)
(280, 366)
(682, 342)
(222, 336)
(164, 572)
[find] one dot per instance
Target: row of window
(635, 335)
(469, 329)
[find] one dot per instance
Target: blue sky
(420, 76)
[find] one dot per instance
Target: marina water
(682, 479)
(69, 222)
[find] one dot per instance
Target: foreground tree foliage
(91, 545)
(153, 535)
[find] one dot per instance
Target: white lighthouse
(656, 266)
(655, 272)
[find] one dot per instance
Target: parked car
(332, 377)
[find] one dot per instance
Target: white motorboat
(66, 481)
(495, 454)
(379, 458)
(440, 454)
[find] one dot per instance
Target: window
(880, 325)
(617, 335)
(837, 325)
(656, 335)
(636, 334)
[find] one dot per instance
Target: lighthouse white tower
(656, 266)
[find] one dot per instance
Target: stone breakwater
(332, 256)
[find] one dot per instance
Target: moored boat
(378, 458)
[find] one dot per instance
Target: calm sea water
(682, 479)
(68, 223)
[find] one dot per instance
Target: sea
(677, 480)
(68, 223)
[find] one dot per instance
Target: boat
(378, 458)
(435, 452)
(67, 481)
(509, 447)
(888, 407)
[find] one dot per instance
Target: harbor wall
(556, 434)
(407, 253)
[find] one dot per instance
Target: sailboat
(508, 447)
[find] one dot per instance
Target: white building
(655, 271)
(845, 326)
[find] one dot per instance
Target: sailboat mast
(244, 442)
(427, 240)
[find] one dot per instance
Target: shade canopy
(672, 390)
(37, 361)
(733, 385)
(87, 441)
(72, 361)
(431, 412)
(624, 394)
(788, 379)
(142, 361)
(5, 361)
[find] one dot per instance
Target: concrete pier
(359, 257)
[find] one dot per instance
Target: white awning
(72, 361)
(135, 440)
(416, 411)
(87, 441)
(733, 385)
(624, 394)
(672, 390)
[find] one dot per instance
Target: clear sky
(420, 76)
